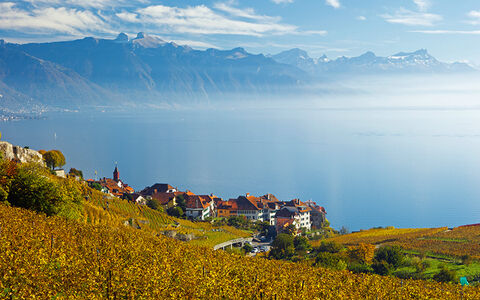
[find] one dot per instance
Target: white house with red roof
(199, 207)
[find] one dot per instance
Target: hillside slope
(51, 257)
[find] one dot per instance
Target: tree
(331, 247)
(301, 244)
(96, 186)
(343, 230)
(153, 204)
(33, 189)
(180, 200)
(382, 268)
(237, 221)
(265, 229)
(54, 159)
(445, 275)
(175, 211)
(330, 260)
(76, 172)
(282, 247)
(247, 248)
(390, 254)
(290, 229)
(363, 253)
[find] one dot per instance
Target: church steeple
(116, 174)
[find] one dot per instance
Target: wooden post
(51, 246)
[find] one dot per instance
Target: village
(293, 215)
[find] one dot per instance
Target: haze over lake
(370, 165)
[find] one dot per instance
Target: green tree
(247, 248)
(54, 159)
(282, 247)
(393, 255)
(96, 186)
(382, 267)
(180, 200)
(301, 245)
(31, 188)
(175, 211)
(237, 221)
(153, 204)
(76, 172)
(445, 275)
(330, 260)
(290, 229)
(331, 247)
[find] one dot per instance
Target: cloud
(83, 3)
(48, 19)
(460, 32)
(361, 18)
(422, 5)
(247, 13)
(282, 1)
(411, 18)
(333, 3)
(197, 44)
(204, 20)
(474, 16)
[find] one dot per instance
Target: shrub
(331, 247)
(33, 188)
(247, 248)
(282, 247)
(445, 275)
(153, 204)
(360, 268)
(382, 268)
(363, 253)
(330, 260)
(175, 211)
(391, 254)
(301, 244)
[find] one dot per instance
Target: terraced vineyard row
(460, 241)
(49, 257)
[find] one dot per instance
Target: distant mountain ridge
(148, 70)
(145, 69)
(419, 61)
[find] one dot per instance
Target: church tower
(116, 174)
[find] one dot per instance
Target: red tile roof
(198, 201)
(163, 198)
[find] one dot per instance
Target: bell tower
(116, 174)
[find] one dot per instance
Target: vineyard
(51, 257)
(457, 242)
(111, 211)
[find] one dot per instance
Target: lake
(367, 167)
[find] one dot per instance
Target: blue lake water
(405, 168)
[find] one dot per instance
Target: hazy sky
(449, 29)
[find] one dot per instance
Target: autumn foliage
(54, 258)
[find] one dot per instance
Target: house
(158, 188)
(317, 214)
(226, 209)
(285, 216)
(199, 207)
(293, 212)
(139, 199)
(166, 200)
(253, 208)
(303, 211)
(247, 206)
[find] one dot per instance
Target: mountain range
(419, 61)
(149, 70)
